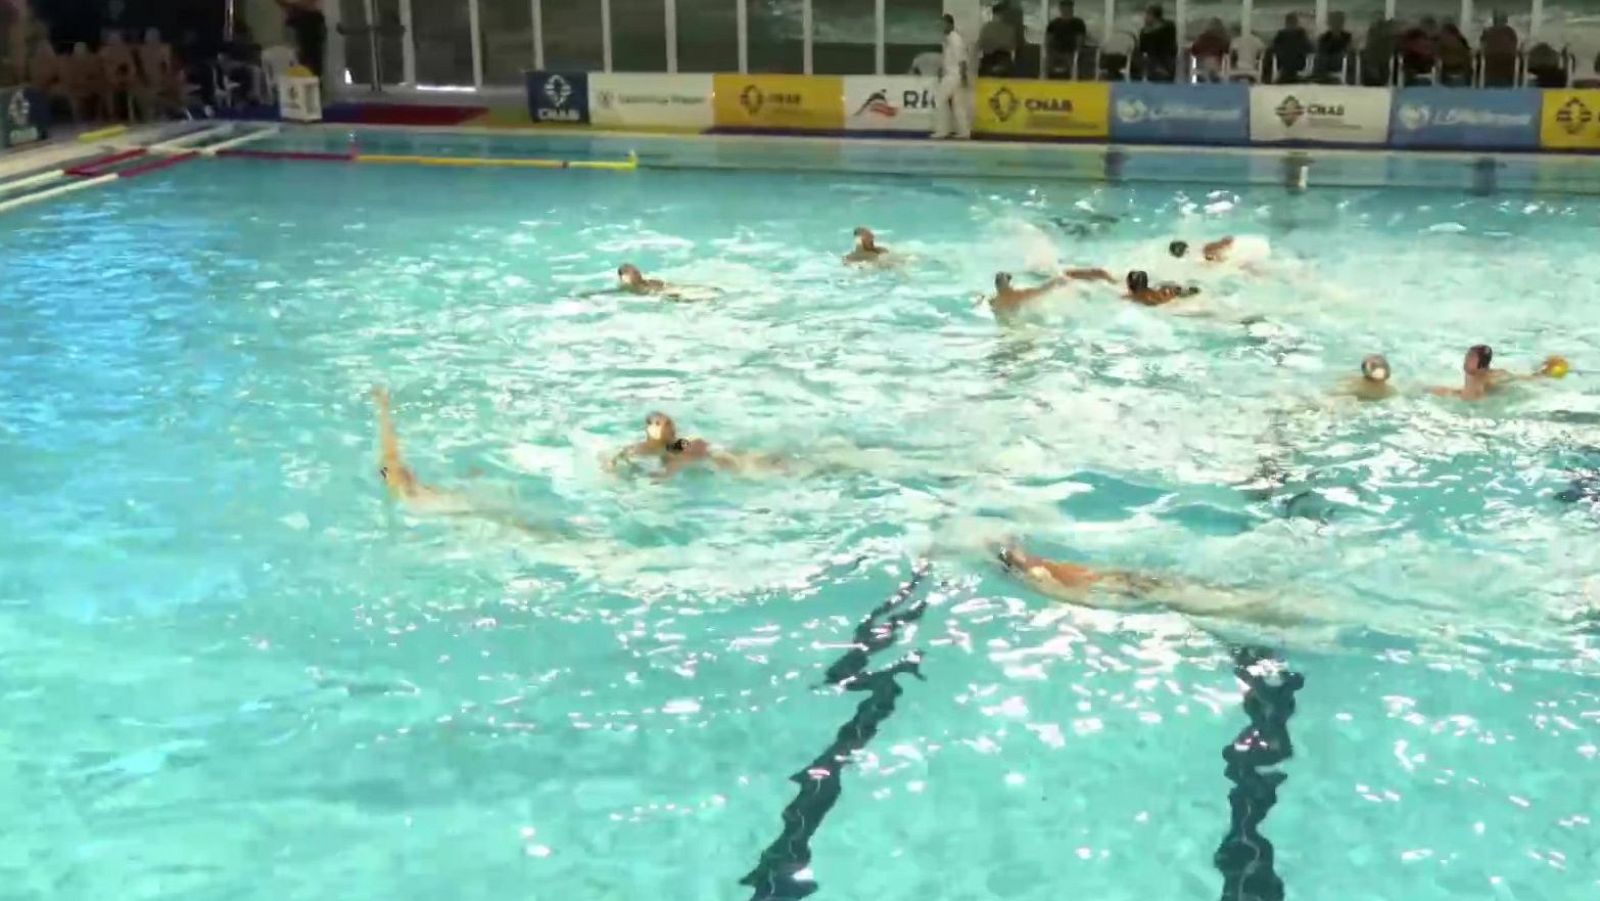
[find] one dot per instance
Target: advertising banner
(558, 98)
(650, 101)
(1447, 118)
(1146, 112)
(24, 117)
(1570, 120)
(889, 103)
(1019, 108)
(1318, 114)
(779, 102)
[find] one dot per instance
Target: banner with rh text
(778, 102)
(1448, 118)
(24, 116)
(1318, 114)
(558, 98)
(889, 103)
(637, 100)
(1570, 120)
(1147, 112)
(1029, 108)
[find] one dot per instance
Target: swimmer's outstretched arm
(1089, 275)
(388, 440)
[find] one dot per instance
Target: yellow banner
(1043, 109)
(779, 102)
(1571, 120)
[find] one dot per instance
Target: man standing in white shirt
(954, 95)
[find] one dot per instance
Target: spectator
(1156, 54)
(997, 44)
(1210, 49)
(1499, 44)
(1545, 65)
(304, 20)
(1419, 51)
(47, 72)
(1291, 48)
(1333, 51)
(1065, 36)
(1377, 53)
(1455, 57)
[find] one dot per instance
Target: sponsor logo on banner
(1570, 120)
(889, 104)
(1043, 109)
(779, 102)
(1319, 114)
(1212, 114)
(558, 97)
(1449, 117)
(636, 100)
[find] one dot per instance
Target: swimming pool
(233, 668)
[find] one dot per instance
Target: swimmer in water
(1214, 252)
(1127, 591)
(1009, 299)
(1479, 378)
(1139, 290)
(662, 443)
(631, 281)
(1373, 382)
(867, 249)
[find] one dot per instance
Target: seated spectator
(1291, 48)
(125, 87)
(1377, 53)
(1545, 67)
(86, 83)
(997, 44)
(1455, 57)
(1333, 51)
(167, 86)
(1209, 50)
(1065, 36)
(1155, 57)
(47, 73)
(1499, 44)
(1419, 51)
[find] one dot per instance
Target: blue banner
(24, 117)
(558, 97)
(1191, 114)
(1451, 118)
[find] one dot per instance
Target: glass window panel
(708, 35)
(507, 40)
(844, 37)
(638, 35)
(911, 27)
(776, 43)
(572, 36)
(443, 34)
(357, 37)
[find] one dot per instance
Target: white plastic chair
(1581, 70)
(1247, 55)
(927, 65)
(276, 62)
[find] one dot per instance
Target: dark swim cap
(1482, 353)
(1138, 280)
(1178, 248)
(1001, 279)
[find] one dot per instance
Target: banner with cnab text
(1029, 108)
(778, 102)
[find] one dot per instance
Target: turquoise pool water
(232, 668)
